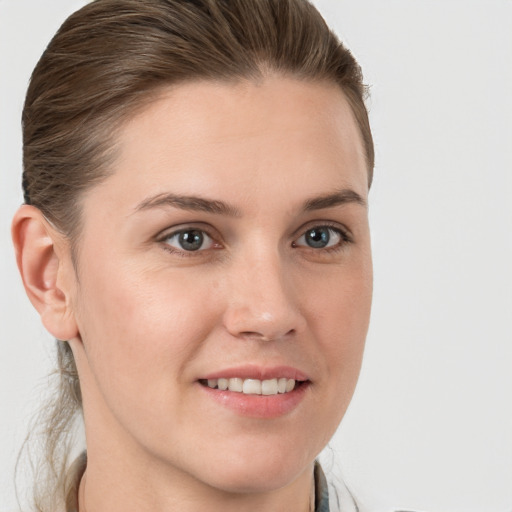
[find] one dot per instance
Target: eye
(321, 237)
(189, 240)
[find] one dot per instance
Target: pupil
(318, 237)
(191, 240)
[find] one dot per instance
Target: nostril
(255, 335)
(265, 337)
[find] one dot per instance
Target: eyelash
(345, 239)
(343, 233)
(182, 252)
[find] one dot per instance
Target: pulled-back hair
(106, 62)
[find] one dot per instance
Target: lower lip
(259, 406)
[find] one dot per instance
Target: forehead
(210, 138)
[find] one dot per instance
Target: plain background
(430, 426)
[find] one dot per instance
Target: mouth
(257, 392)
(267, 387)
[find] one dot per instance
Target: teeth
(253, 386)
(290, 385)
(236, 385)
(269, 387)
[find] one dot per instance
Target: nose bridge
(262, 302)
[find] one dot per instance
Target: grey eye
(190, 240)
(320, 237)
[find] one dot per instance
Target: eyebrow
(192, 203)
(338, 198)
(201, 204)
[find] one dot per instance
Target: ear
(44, 262)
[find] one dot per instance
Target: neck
(100, 494)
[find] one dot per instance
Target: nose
(261, 301)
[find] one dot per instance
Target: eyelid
(173, 231)
(199, 226)
(345, 237)
(336, 226)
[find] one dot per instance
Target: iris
(191, 240)
(317, 237)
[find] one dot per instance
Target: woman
(195, 234)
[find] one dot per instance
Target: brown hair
(108, 60)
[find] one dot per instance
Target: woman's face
(229, 246)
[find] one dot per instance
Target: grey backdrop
(430, 427)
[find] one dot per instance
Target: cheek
(140, 328)
(342, 302)
(339, 316)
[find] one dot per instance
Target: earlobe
(46, 271)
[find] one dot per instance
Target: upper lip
(252, 371)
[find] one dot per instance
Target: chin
(262, 468)
(252, 479)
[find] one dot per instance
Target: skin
(146, 319)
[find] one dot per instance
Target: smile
(255, 391)
(252, 386)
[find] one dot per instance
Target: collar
(321, 490)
